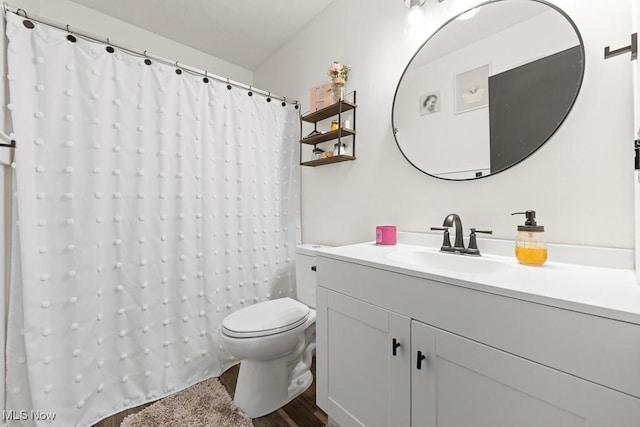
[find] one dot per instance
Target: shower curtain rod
(144, 54)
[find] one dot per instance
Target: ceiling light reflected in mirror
(416, 20)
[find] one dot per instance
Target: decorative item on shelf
(317, 153)
(339, 149)
(339, 74)
(320, 97)
(334, 125)
(326, 154)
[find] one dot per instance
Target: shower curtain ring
(68, 28)
(145, 53)
(23, 11)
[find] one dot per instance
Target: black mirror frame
(579, 87)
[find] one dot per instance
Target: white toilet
(275, 342)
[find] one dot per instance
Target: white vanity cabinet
(368, 350)
(466, 357)
(460, 382)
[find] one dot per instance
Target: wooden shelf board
(329, 160)
(328, 111)
(327, 136)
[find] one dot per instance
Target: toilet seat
(266, 318)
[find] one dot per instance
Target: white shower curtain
(149, 206)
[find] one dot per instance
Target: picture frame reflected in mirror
(430, 102)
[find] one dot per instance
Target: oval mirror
(482, 94)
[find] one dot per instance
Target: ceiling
(243, 32)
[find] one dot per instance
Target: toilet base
(263, 387)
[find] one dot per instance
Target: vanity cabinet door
(366, 353)
(423, 375)
(465, 383)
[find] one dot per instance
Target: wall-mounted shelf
(328, 111)
(327, 136)
(316, 137)
(328, 160)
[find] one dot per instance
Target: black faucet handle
(446, 241)
(473, 231)
(473, 243)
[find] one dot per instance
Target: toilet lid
(265, 318)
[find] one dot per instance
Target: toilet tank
(306, 274)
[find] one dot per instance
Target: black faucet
(453, 220)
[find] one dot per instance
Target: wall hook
(632, 48)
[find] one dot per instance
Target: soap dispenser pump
(531, 248)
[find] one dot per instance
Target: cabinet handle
(421, 357)
(394, 347)
(313, 268)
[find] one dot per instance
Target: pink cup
(386, 235)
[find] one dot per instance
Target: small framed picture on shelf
(430, 102)
(472, 89)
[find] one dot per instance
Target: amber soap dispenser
(531, 248)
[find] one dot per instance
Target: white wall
(119, 32)
(580, 183)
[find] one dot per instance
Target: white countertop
(608, 290)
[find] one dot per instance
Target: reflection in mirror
(483, 94)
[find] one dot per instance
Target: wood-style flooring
(300, 412)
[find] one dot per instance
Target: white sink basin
(449, 262)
